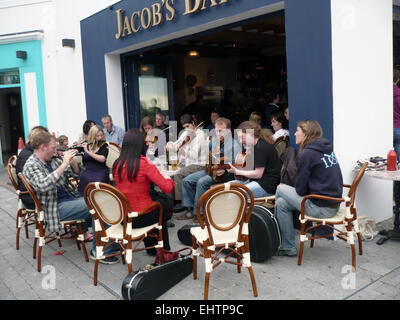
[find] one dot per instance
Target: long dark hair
(132, 148)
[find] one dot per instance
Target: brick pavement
(324, 273)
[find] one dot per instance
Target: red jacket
(137, 191)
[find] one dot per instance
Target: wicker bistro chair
(346, 216)
(25, 217)
(110, 206)
(114, 150)
(223, 226)
(73, 229)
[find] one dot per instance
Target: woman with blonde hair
(318, 172)
(94, 159)
(264, 174)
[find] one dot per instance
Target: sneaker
(170, 224)
(109, 260)
(287, 252)
(186, 216)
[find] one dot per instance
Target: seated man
(23, 156)
(48, 176)
(190, 154)
(196, 184)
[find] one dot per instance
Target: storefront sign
(155, 14)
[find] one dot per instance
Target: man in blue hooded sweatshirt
(318, 172)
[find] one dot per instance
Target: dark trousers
(151, 218)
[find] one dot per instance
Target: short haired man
(197, 183)
(23, 156)
(112, 132)
(49, 176)
(160, 124)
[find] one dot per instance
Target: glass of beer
(174, 164)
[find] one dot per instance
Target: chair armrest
(346, 185)
(317, 196)
(23, 193)
(270, 199)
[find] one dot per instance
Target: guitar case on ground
(152, 283)
(184, 234)
(264, 234)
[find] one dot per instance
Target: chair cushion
(117, 231)
(338, 218)
(219, 237)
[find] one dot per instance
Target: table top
(383, 174)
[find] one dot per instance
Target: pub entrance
(230, 70)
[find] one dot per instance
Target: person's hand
(84, 145)
(220, 172)
(68, 156)
(232, 169)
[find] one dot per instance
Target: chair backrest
(109, 203)
(114, 151)
(281, 144)
(32, 192)
(356, 182)
(226, 208)
(12, 172)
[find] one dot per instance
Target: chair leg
(206, 284)
(238, 260)
(96, 267)
(58, 239)
(121, 250)
(312, 238)
(39, 259)
(360, 248)
(17, 240)
(253, 281)
(195, 247)
(34, 247)
(353, 256)
(302, 233)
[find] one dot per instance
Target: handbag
(367, 227)
(171, 255)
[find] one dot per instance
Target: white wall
(62, 67)
(362, 41)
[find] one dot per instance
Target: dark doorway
(11, 121)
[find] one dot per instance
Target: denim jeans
(286, 202)
(255, 188)
(194, 186)
(77, 209)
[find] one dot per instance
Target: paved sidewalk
(324, 273)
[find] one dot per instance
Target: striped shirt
(45, 185)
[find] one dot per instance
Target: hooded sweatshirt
(318, 172)
(396, 107)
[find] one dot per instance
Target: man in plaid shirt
(48, 176)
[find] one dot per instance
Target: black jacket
(318, 172)
(26, 152)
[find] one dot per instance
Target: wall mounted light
(22, 55)
(193, 54)
(68, 43)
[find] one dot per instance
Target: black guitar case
(184, 234)
(264, 234)
(152, 283)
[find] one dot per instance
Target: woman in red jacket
(133, 173)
